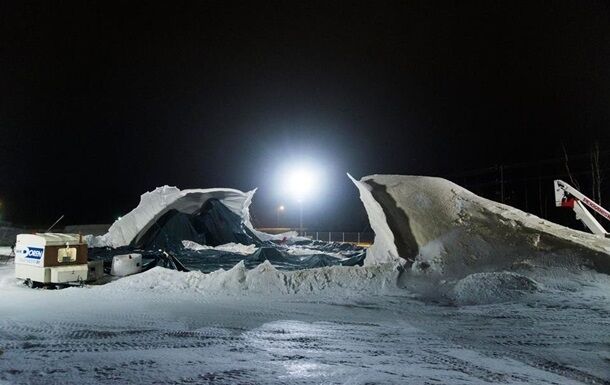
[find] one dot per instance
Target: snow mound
(264, 279)
(444, 230)
(7, 276)
(484, 288)
(236, 248)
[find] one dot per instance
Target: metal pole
(54, 223)
(301, 216)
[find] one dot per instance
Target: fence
(340, 236)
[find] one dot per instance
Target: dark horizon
(103, 102)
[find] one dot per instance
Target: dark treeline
(529, 185)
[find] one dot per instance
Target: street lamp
(300, 216)
(301, 183)
(279, 210)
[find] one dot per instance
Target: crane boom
(568, 196)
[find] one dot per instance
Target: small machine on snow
(51, 258)
(568, 196)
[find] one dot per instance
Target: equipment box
(126, 264)
(65, 274)
(51, 258)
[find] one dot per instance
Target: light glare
(301, 183)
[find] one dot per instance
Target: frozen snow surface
(456, 290)
(334, 325)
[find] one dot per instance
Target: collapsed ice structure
(439, 228)
(208, 229)
(432, 237)
(429, 225)
(167, 215)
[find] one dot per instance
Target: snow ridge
(265, 279)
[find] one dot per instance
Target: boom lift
(568, 196)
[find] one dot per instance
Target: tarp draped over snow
(165, 204)
(210, 229)
(431, 224)
(439, 227)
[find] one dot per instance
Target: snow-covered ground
(337, 325)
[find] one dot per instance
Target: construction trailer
(51, 259)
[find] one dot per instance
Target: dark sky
(101, 102)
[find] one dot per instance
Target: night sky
(101, 102)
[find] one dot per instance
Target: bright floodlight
(301, 183)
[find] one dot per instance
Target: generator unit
(51, 258)
(127, 264)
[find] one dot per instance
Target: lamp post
(301, 183)
(279, 210)
(300, 217)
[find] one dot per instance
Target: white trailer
(568, 196)
(50, 258)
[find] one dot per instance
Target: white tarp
(154, 204)
(236, 248)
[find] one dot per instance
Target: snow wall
(439, 228)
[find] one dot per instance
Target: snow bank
(236, 248)
(484, 288)
(442, 229)
(154, 204)
(264, 279)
